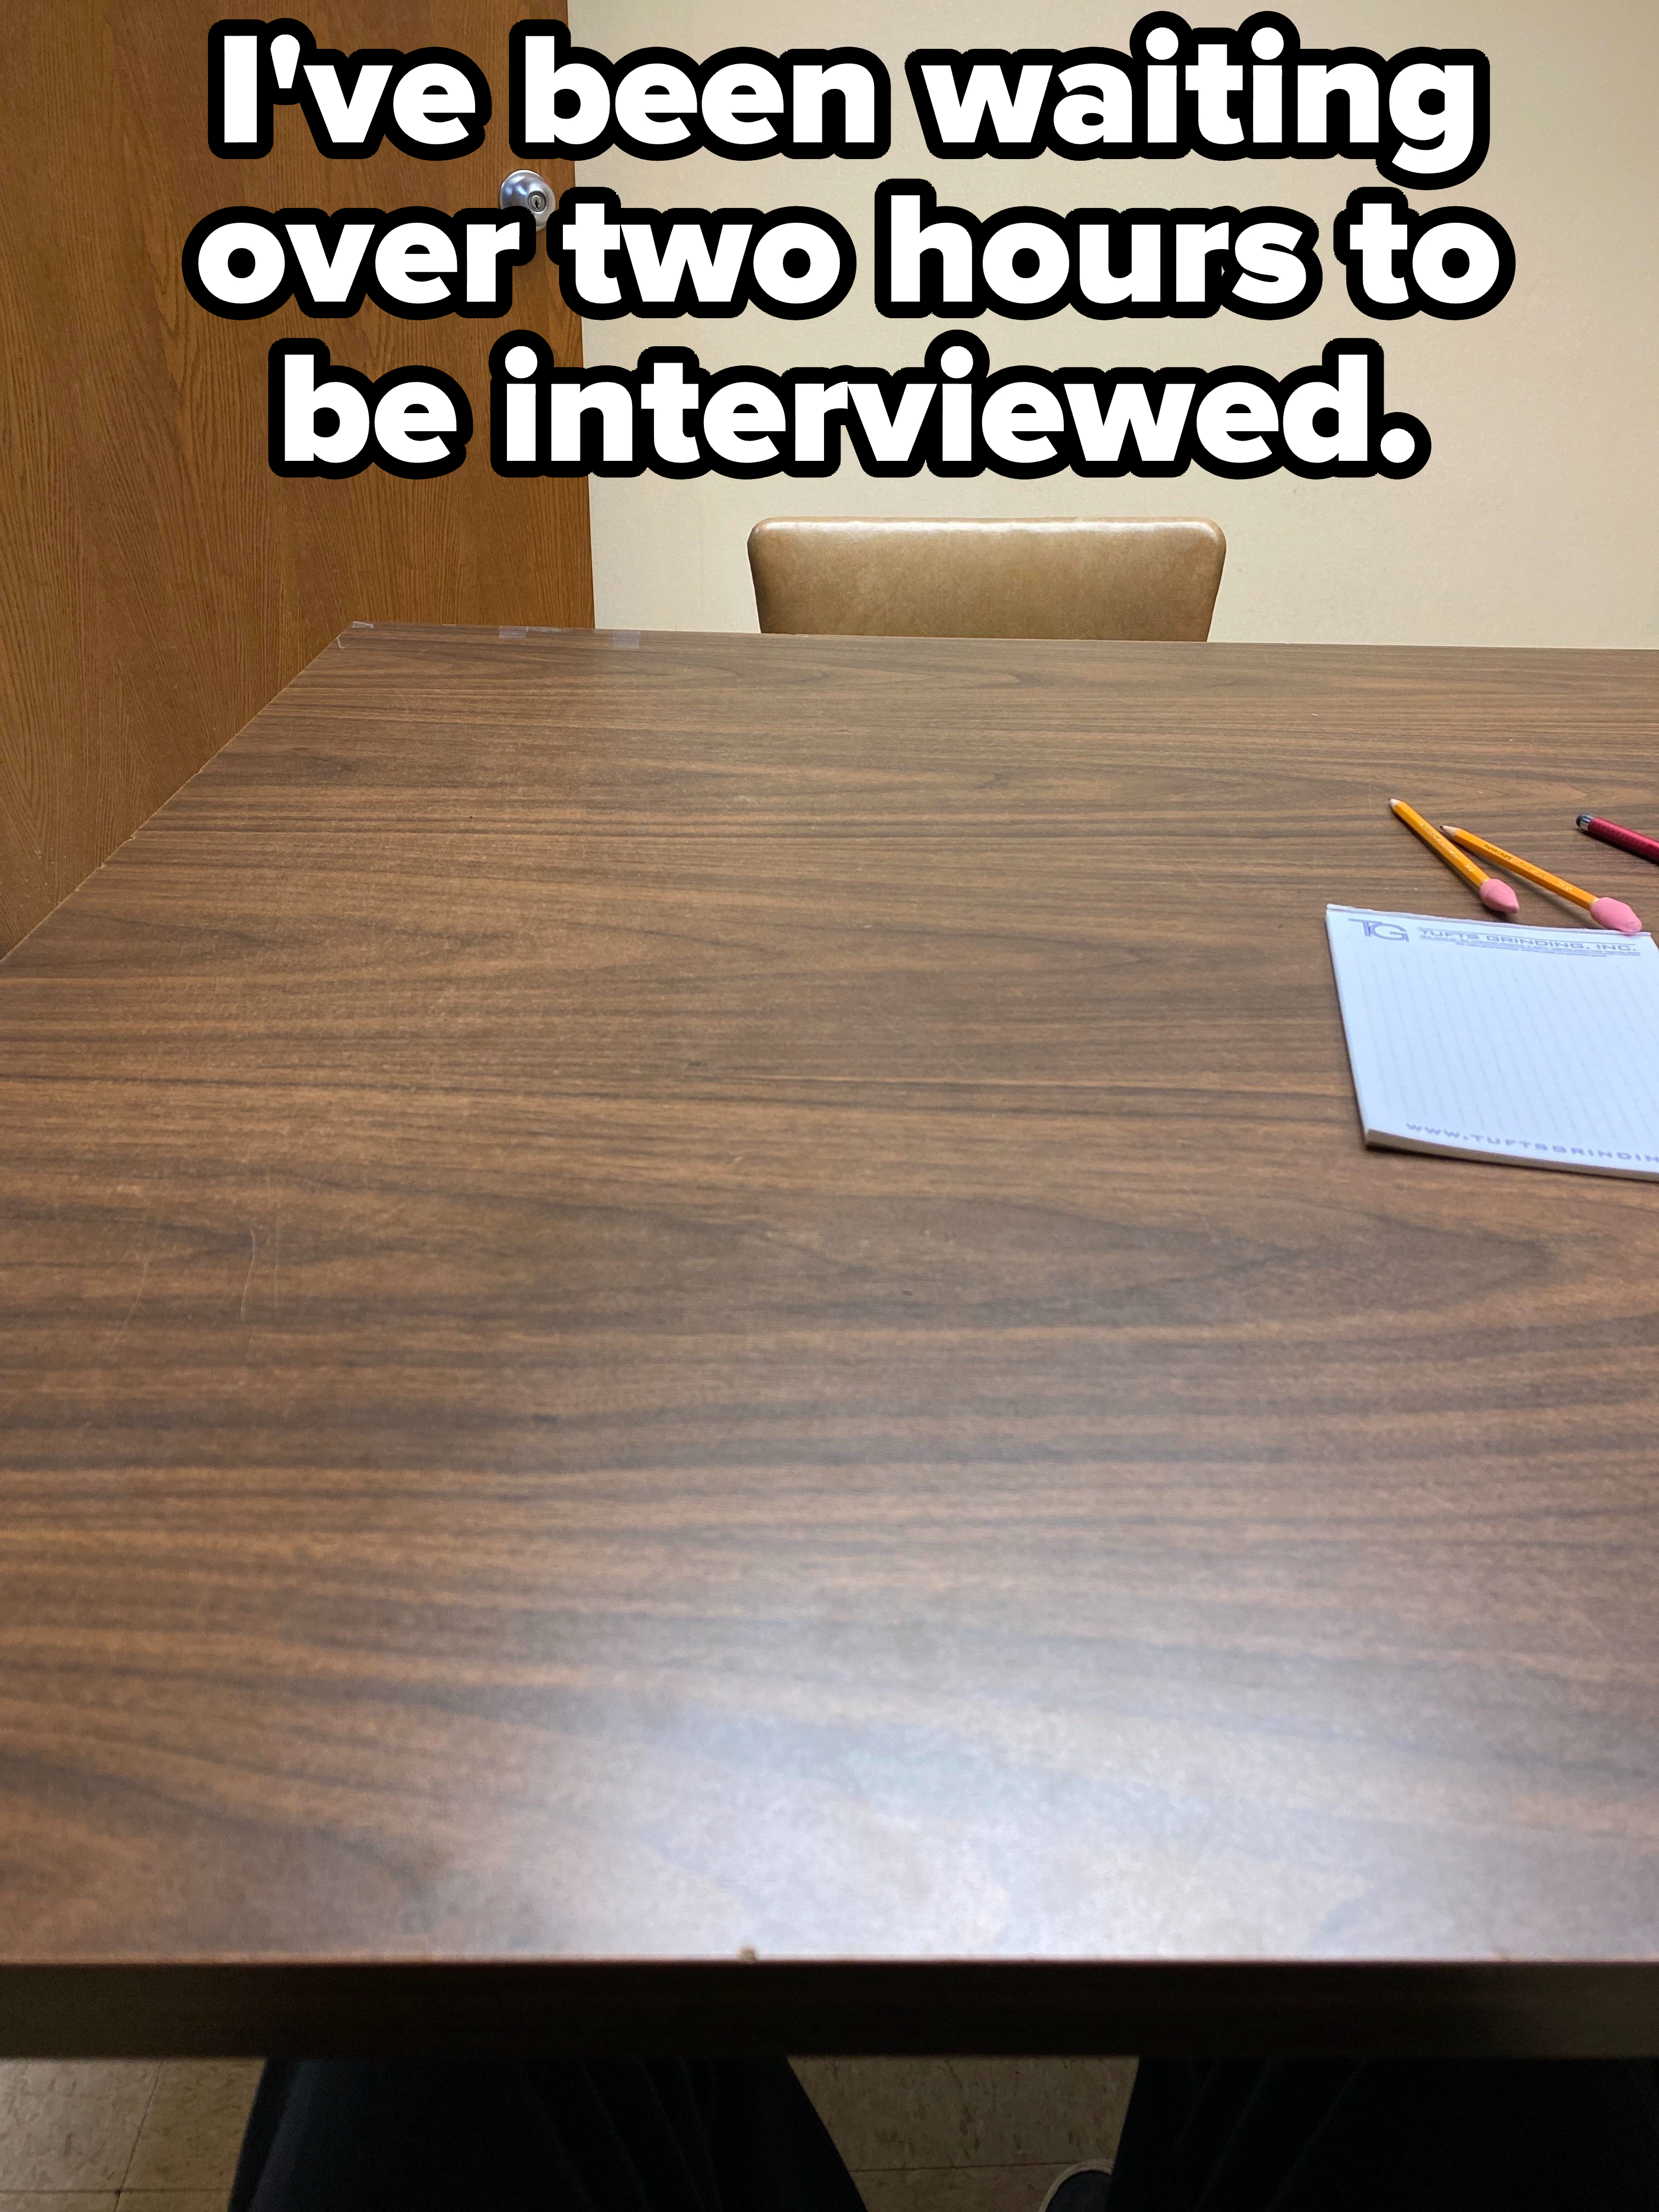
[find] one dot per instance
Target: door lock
(525, 189)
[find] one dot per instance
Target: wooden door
(158, 584)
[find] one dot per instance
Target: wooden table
(697, 1350)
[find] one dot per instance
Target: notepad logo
(1581, 945)
(1386, 929)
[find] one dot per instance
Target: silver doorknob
(525, 189)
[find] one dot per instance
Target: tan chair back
(854, 576)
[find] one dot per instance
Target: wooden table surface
(696, 1349)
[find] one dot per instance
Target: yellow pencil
(1493, 890)
(1611, 914)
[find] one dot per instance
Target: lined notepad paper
(1490, 1042)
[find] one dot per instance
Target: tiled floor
(967, 2135)
(922, 2134)
(120, 2134)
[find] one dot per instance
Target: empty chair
(857, 576)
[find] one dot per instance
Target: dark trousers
(741, 2136)
(526, 2134)
(1391, 2136)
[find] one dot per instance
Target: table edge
(1474, 2009)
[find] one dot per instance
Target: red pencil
(1645, 848)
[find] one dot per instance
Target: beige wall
(1534, 521)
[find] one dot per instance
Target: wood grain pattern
(157, 583)
(659, 1300)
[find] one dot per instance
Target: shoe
(1079, 2189)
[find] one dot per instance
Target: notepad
(1489, 1041)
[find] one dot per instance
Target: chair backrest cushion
(856, 576)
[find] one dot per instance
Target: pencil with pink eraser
(1492, 890)
(1610, 912)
